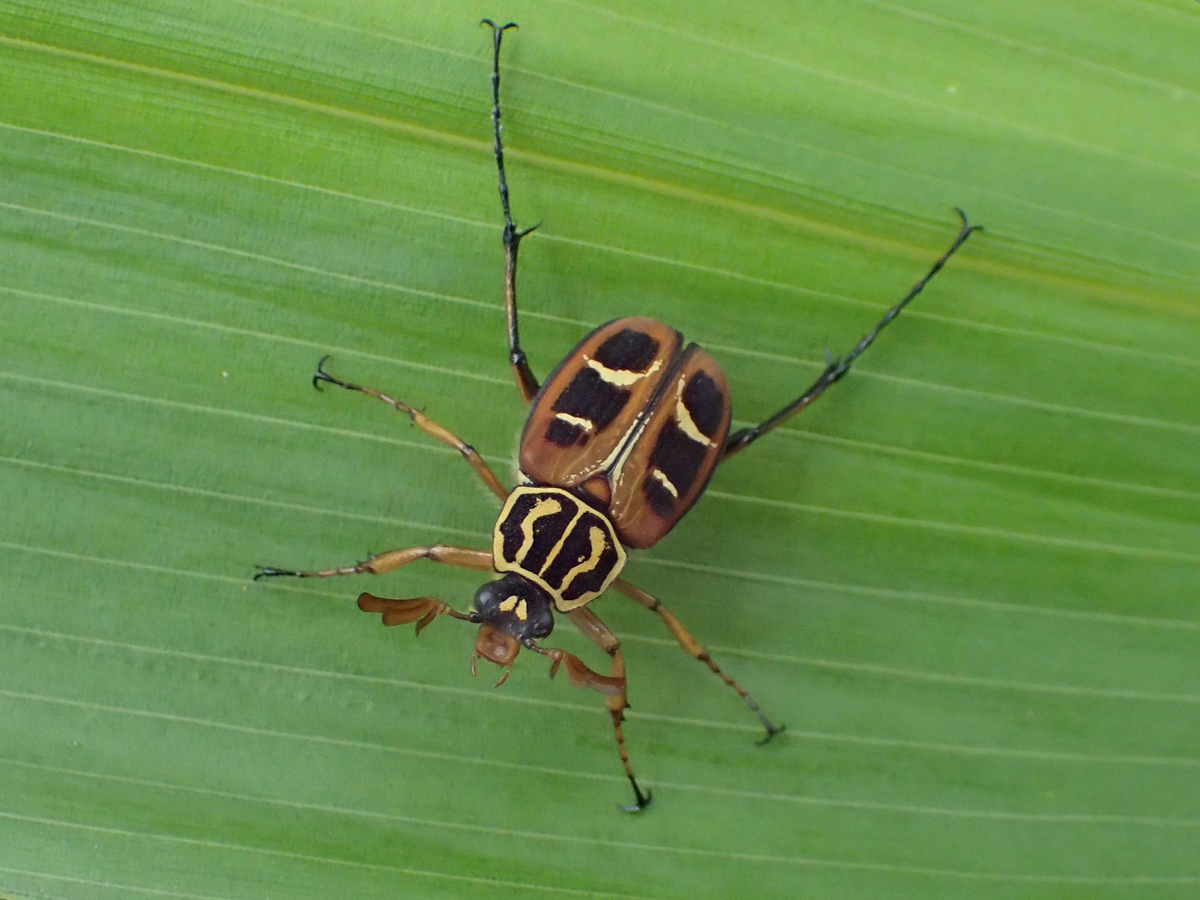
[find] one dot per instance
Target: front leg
(421, 610)
(614, 695)
(463, 557)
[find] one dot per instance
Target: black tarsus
(837, 368)
(321, 375)
(270, 572)
(772, 730)
(641, 801)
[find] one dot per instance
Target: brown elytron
(634, 421)
(620, 443)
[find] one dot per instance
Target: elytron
(620, 442)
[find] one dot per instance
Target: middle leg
(426, 424)
(694, 649)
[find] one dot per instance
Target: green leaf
(966, 578)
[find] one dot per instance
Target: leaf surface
(965, 579)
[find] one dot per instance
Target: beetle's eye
(486, 600)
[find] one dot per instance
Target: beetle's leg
(527, 383)
(613, 687)
(694, 649)
(836, 368)
(463, 557)
(427, 425)
(421, 610)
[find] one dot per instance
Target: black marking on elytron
(565, 434)
(661, 500)
(629, 350)
(705, 403)
(559, 543)
(678, 457)
(590, 397)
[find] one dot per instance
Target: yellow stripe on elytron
(684, 419)
(620, 377)
(664, 481)
(586, 424)
(544, 506)
(599, 544)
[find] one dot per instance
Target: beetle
(620, 442)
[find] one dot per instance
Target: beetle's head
(512, 611)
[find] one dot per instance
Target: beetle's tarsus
(967, 228)
(641, 801)
(271, 572)
(319, 375)
(772, 730)
(966, 224)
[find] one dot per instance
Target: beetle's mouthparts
(496, 647)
